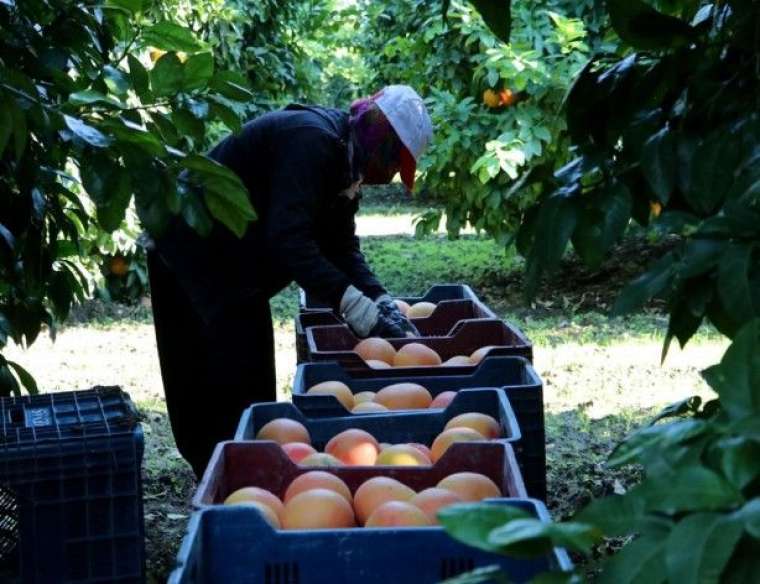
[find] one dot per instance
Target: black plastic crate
(443, 321)
(434, 294)
(70, 488)
(513, 375)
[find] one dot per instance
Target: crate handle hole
(16, 415)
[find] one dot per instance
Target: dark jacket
(294, 163)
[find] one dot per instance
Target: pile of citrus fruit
(321, 500)
(381, 354)
(358, 447)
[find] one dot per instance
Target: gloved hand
(389, 308)
(365, 318)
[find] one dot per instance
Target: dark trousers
(211, 373)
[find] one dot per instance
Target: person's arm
(345, 252)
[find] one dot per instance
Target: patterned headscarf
(378, 146)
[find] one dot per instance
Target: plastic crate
(420, 426)
(264, 464)
(445, 317)
(515, 376)
(336, 343)
(235, 545)
(434, 294)
(70, 488)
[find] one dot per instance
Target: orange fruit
(336, 388)
(490, 98)
(297, 451)
(432, 499)
(378, 490)
(477, 355)
(402, 306)
(655, 207)
(368, 407)
(420, 310)
(317, 479)
(458, 361)
(416, 355)
(470, 486)
(364, 396)
(401, 455)
(320, 459)
(398, 514)
(375, 364)
(284, 430)
(448, 437)
(481, 423)
(404, 396)
(269, 516)
(507, 97)
(354, 447)
(443, 399)
(256, 495)
(318, 509)
(375, 349)
(118, 266)
(422, 448)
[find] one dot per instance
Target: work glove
(365, 318)
(389, 308)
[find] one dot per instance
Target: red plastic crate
(336, 343)
(442, 322)
(264, 464)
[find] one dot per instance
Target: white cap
(406, 112)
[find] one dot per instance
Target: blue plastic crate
(434, 294)
(70, 488)
(234, 545)
(515, 376)
(420, 426)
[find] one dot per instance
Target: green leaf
(743, 566)
(225, 112)
(167, 76)
(131, 133)
(600, 227)
(708, 178)
(198, 71)
(231, 85)
(636, 446)
(615, 515)
(497, 15)
(90, 96)
(225, 195)
(640, 562)
(636, 294)
(169, 36)
(699, 547)
(471, 523)
(91, 135)
(6, 124)
(139, 76)
(533, 537)
(750, 515)
(8, 383)
(116, 80)
(644, 28)
(131, 6)
(693, 488)
(659, 164)
(733, 282)
(484, 575)
(25, 377)
(555, 223)
(108, 185)
(738, 460)
(736, 379)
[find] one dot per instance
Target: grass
(602, 377)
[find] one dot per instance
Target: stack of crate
(233, 544)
